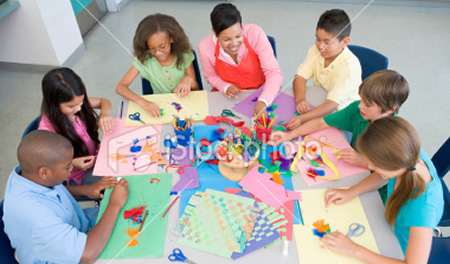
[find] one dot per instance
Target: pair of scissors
(177, 255)
(136, 117)
(117, 156)
(228, 113)
(355, 230)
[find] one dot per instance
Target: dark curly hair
(160, 23)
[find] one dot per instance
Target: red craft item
(275, 156)
(133, 213)
(215, 120)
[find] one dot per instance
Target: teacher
(239, 57)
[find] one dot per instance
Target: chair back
(32, 126)
(441, 160)
(6, 251)
(147, 86)
(273, 44)
(371, 61)
(440, 250)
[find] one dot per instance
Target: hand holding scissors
(228, 113)
(355, 230)
(136, 117)
(177, 255)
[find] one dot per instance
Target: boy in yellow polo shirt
(331, 65)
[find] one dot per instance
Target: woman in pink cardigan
(238, 57)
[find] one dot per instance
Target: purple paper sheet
(188, 179)
(285, 105)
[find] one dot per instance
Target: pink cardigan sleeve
(206, 49)
(269, 64)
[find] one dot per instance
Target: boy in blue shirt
(331, 65)
(43, 221)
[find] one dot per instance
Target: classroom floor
(414, 36)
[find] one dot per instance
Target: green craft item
(279, 128)
(156, 198)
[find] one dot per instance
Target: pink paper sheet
(329, 135)
(120, 141)
(271, 193)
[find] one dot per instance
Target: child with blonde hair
(415, 198)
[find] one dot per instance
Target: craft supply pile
(235, 191)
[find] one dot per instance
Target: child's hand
(83, 163)
(184, 87)
(278, 137)
(294, 123)
(338, 196)
(93, 190)
(260, 109)
(152, 108)
(351, 156)
(233, 91)
(303, 107)
(119, 195)
(339, 242)
(105, 123)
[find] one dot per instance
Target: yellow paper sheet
(194, 105)
(339, 217)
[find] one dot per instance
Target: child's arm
(316, 124)
(339, 196)
(352, 156)
(123, 90)
(417, 251)
(322, 110)
(93, 190)
(187, 83)
(299, 87)
(105, 121)
(100, 233)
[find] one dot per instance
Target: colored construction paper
(217, 222)
(329, 135)
(271, 193)
(189, 177)
(287, 210)
(264, 230)
(339, 217)
(151, 240)
(285, 106)
(194, 105)
(120, 142)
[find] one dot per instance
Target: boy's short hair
(42, 148)
(387, 89)
(335, 22)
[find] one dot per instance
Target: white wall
(41, 32)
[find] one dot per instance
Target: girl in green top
(163, 57)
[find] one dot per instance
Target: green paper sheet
(156, 197)
(217, 222)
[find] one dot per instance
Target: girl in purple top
(68, 111)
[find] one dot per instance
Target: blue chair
(441, 160)
(273, 44)
(147, 87)
(32, 126)
(440, 249)
(370, 60)
(6, 251)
